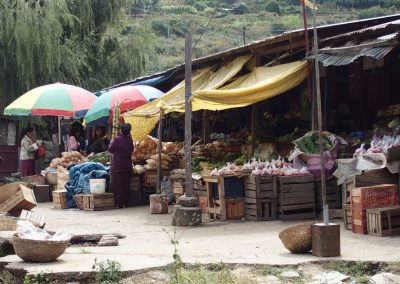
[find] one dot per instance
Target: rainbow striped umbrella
(55, 99)
(128, 97)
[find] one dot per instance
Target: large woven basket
(38, 251)
(297, 239)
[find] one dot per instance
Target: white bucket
(97, 185)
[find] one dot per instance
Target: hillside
(222, 24)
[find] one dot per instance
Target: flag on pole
(309, 4)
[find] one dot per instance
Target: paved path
(148, 245)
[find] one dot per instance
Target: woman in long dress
(121, 165)
(28, 153)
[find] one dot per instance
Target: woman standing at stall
(28, 152)
(121, 165)
(73, 143)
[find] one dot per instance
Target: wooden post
(206, 126)
(253, 127)
(188, 115)
(319, 109)
(159, 150)
(307, 44)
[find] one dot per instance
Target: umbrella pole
(59, 129)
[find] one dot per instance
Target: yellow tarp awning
(144, 118)
(259, 85)
(209, 93)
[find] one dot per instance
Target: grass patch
(199, 274)
(350, 268)
(272, 270)
(393, 267)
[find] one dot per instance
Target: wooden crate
(97, 202)
(135, 183)
(347, 216)
(383, 222)
(260, 187)
(296, 197)
(150, 178)
(333, 194)
(22, 198)
(60, 199)
(370, 178)
(198, 184)
(363, 198)
(261, 209)
(42, 193)
(178, 186)
(234, 208)
(79, 200)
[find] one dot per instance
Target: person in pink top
(73, 143)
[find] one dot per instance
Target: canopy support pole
(188, 116)
(206, 126)
(253, 128)
(159, 151)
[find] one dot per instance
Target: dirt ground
(148, 242)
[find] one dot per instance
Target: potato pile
(148, 147)
(68, 159)
(152, 163)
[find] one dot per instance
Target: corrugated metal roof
(345, 58)
(387, 20)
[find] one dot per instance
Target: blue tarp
(79, 177)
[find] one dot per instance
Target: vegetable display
(310, 144)
(103, 158)
(68, 159)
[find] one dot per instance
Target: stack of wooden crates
(135, 190)
(286, 197)
(371, 178)
(371, 197)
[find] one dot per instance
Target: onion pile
(148, 147)
(274, 167)
(68, 159)
(152, 163)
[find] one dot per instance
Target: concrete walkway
(148, 245)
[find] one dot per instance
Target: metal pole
(318, 93)
(188, 115)
(159, 151)
(244, 35)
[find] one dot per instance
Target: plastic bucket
(97, 186)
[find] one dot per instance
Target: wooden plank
(295, 179)
(300, 187)
(297, 207)
(250, 193)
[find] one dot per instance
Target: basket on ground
(297, 239)
(38, 251)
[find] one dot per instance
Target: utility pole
(188, 116)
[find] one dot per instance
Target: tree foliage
(83, 42)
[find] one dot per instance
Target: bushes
(273, 7)
(373, 12)
(240, 8)
(179, 9)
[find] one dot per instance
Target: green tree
(273, 7)
(83, 42)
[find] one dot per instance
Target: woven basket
(297, 239)
(38, 251)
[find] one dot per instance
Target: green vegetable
(310, 144)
